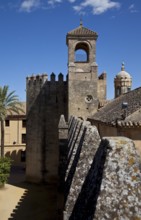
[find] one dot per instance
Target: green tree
(9, 104)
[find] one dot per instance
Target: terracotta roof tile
(82, 31)
(128, 124)
(113, 112)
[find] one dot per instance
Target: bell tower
(82, 72)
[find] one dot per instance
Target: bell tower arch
(82, 72)
(82, 52)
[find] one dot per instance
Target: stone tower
(48, 99)
(82, 72)
(123, 82)
(46, 102)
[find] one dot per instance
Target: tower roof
(123, 73)
(82, 32)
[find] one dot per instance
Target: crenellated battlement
(60, 78)
(37, 78)
(44, 77)
(102, 76)
(55, 88)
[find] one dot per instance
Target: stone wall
(46, 101)
(83, 80)
(83, 100)
(103, 177)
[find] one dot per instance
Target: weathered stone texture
(83, 151)
(85, 204)
(120, 194)
(103, 180)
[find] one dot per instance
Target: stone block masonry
(103, 177)
(46, 101)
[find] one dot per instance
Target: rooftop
(82, 31)
(113, 112)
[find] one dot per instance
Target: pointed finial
(123, 66)
(81, 22)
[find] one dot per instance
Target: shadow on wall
(71, 143)
(75, 162)
(85, 205)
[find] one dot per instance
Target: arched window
(81, 52)
(80, 56)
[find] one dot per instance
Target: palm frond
(3, 94)
(9, 103)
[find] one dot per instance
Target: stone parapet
(103, 179)
(83, 144)
(120, 193)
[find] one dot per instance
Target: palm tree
(9, 104)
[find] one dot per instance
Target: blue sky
(33, 38)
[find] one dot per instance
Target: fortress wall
(45, 104)
(35, 140)
(105, 177)
(34, 85)
(83, 144)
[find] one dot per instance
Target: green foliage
(5, 165)
(9, 104)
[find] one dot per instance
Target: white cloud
(132, 8)
(72, 1)
(98, 6)
(77, 8)
(53, 2)
(29, 5)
